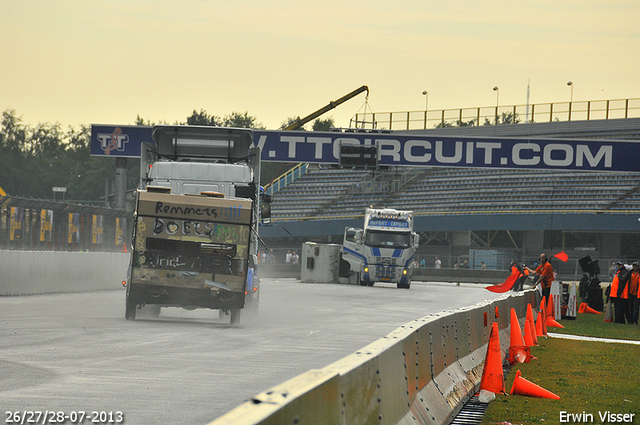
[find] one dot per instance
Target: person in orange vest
(619, 293)
(545, 275)
(634, 300)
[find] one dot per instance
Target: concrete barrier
(46, 272)
(421, 373)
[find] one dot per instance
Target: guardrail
(421, 373)
(508, 114)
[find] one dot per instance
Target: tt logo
(115, 141)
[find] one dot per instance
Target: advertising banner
(16, 223)
(46, 225)
(395, 149)
(74, 228)
(97, 229)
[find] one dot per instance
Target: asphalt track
(77, 353)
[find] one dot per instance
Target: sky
(82, 62)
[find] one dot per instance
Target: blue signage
(434, 151)
(389, 223)
(409, 150)
(119, 140)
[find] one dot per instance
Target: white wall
(45, 272)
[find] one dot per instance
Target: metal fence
(492, 115)
(36, 224)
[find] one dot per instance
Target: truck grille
(385, 272)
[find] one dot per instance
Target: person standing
(287, 258)
(438, 263)
(634, 301)
(620, 293)
(295, 258)
(271, 258)
(545, 275)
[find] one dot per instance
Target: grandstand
(333, 193)
(461, 210)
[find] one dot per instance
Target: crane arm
(302, 121)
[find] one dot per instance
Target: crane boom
(299, 122)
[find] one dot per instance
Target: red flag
(562, 256)
(507, 284)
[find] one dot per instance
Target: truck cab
(384, 251)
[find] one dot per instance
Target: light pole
(497, 90)
(571, 100)
(426, 107)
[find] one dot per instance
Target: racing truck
(196, 220)
(384, 251)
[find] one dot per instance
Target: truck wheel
(235, 316)
(364, 283)
(404, 285)
(130, 309)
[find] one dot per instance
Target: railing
(348, 216)
(286, 178)
(492, 115)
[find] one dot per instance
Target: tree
(323, 125)
(239, 120)
(290, 120)
(503, 119)
(203, 118)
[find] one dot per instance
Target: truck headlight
(366, 269)
(404, 271)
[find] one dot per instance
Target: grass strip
(591, 378)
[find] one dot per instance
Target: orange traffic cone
(492, 373)
(523, 387)
(550, 312)
(584, 308)
(519, 352)
(532, 324)
(516, 332)
(528, 338)
(543, 308)
(539, 330)
(608, 313)
(552, 323)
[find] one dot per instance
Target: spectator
(619, 293)
(545, 275)
(287, 258)
(271, 259)
(438, 263)
(263, 257)
(295, 258)
(423, 263)
(612, 270)
(634, 301)
(483, 266)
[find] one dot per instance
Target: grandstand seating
(330, 193)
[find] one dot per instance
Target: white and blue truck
(384, 251)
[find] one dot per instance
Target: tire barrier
(46, 272)
(421, 373)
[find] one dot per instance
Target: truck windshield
(378, 239)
